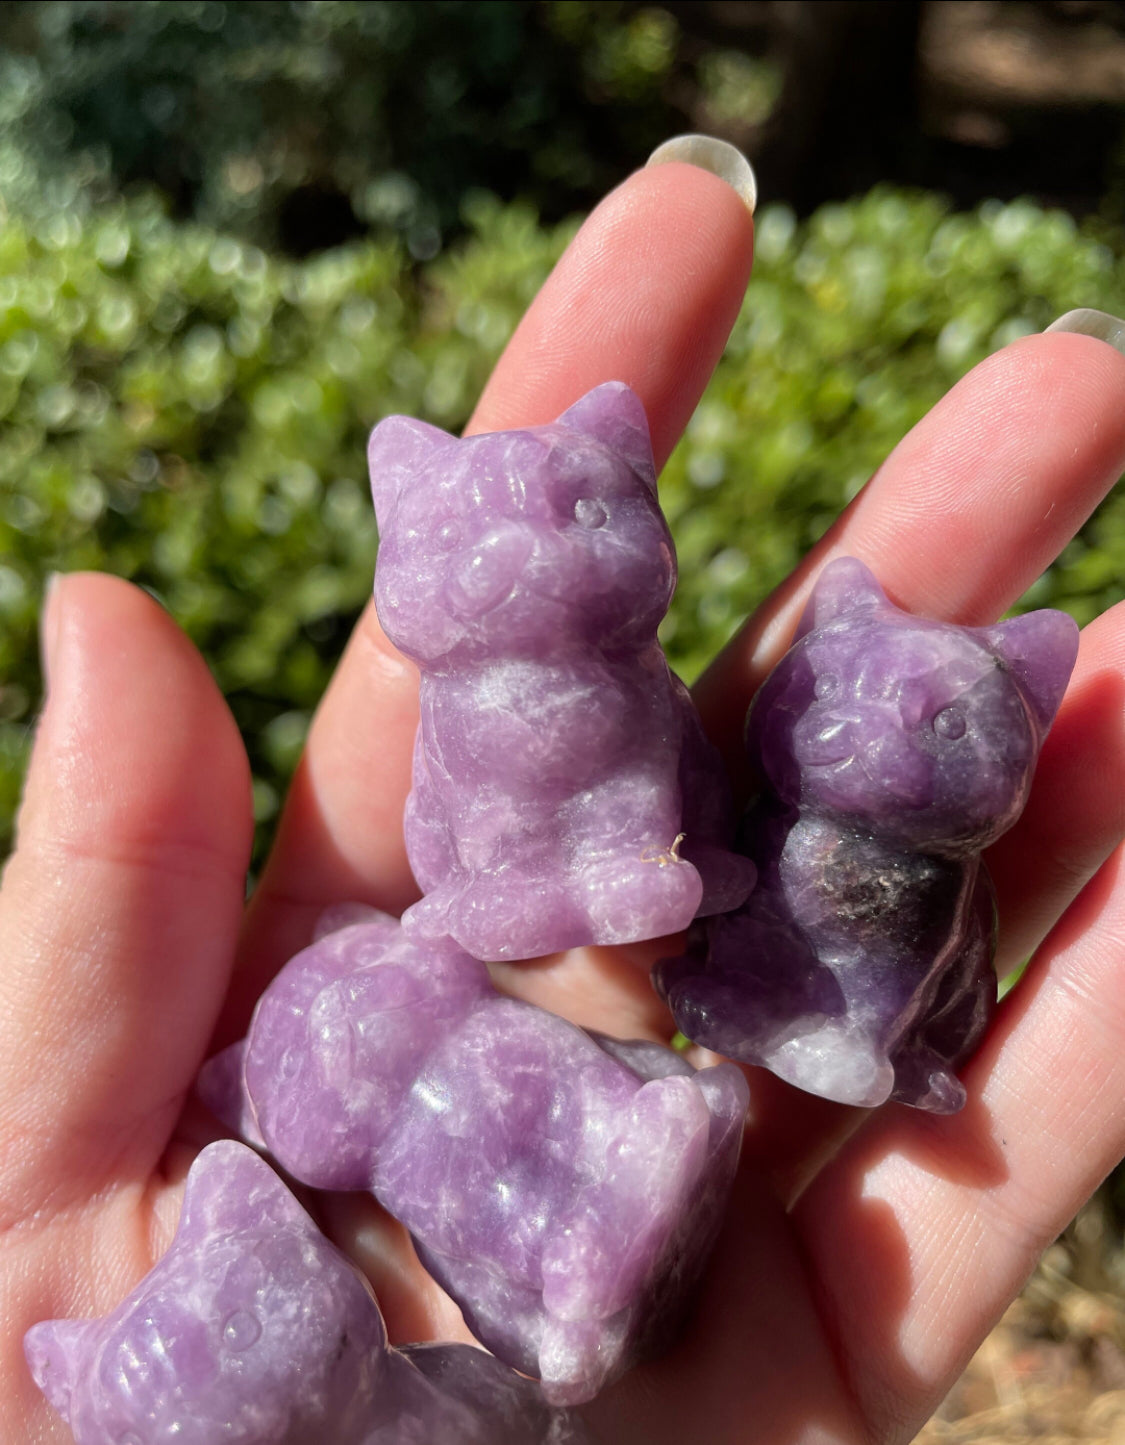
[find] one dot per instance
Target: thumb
(120, 907)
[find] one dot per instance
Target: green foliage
(181, 409)
(854, 326)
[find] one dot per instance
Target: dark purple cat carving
(892, 749)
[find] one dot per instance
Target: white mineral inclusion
(710, 154)
(1087, 322)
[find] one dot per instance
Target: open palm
(864, 1256)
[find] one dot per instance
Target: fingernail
(717, 156)
(50, 619)
(1087, 322)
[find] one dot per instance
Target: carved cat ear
(1039, 650)
(398, 449)
(56, 1355)
(845, 586)
(221, 1087)
(229, 1186)
(615, 415)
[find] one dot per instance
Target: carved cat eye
(589, 513)
(950, 723)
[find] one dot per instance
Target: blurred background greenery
(236, 233)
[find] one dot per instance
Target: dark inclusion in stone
(892, 749)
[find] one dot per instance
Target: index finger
(646, 294)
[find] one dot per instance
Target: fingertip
(680, 190)
(1068, 358)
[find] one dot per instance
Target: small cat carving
(891, 750)
(563, 790)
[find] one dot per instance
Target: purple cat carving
(559, 764)
(254, 1330)
(892, 750)
(564, 1189)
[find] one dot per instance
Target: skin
(865, 1256)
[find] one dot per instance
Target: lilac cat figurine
(559, 764)
(564, 1188)
(892, 750)
(254, 1330)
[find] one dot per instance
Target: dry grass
(1053, 1369)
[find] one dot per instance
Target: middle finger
(646, 294)
(967, 511)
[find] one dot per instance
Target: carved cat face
(252, 1327)
(514, 543)
(920, 731)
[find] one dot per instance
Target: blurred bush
(300, 125)
(181, 409)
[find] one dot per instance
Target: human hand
(863, 1257)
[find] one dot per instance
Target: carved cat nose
(829, 742)
(484, 575)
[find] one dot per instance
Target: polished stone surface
(564, 1189)
(892, 750)
(254, 1330)
(563, 791)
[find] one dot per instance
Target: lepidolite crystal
(254, 1330)
(891, 749)
(563, 791)
(564, 1189)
